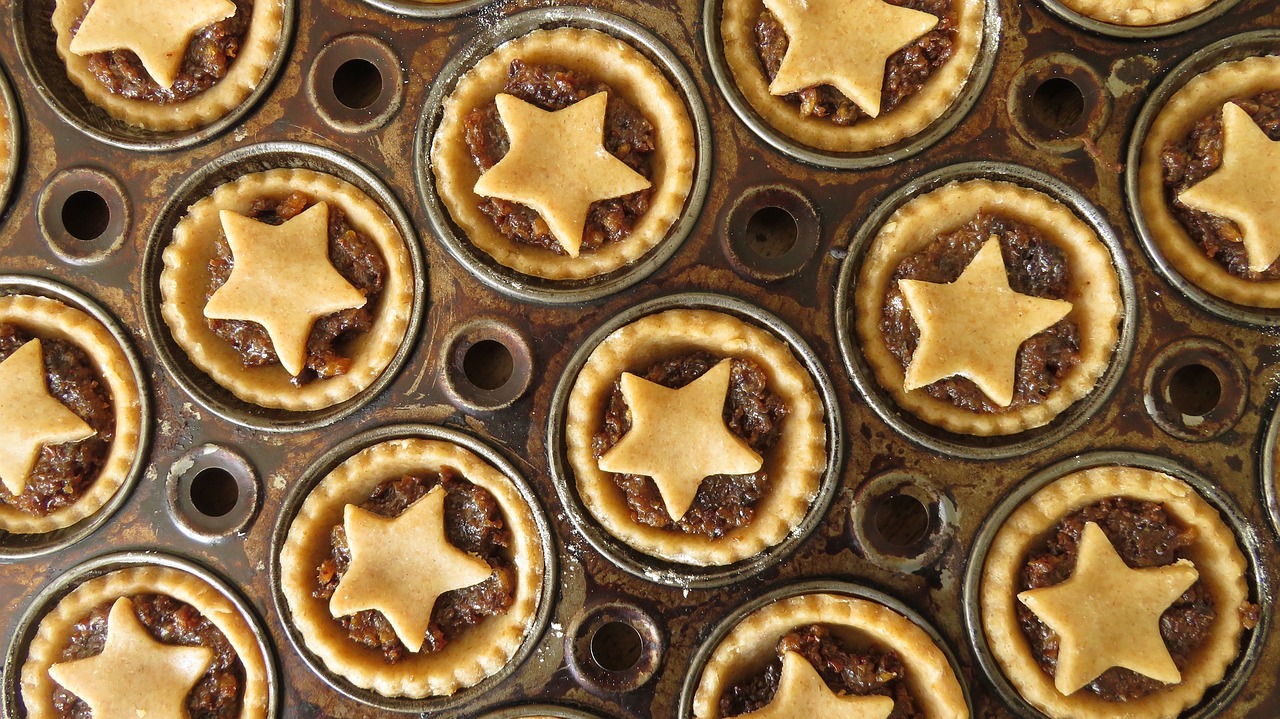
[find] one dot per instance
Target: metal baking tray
(772, 233)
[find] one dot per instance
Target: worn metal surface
(1115, 76)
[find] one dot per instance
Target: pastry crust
(1215, 554)
(185, 279)
(795, 465)
(1137, 13)
(752, 644)
(480, 651)
(55, 631)
(50, 319)
(1203, 95)
(630, 74)
(1094, 294)
(262, 41)
(737, 23)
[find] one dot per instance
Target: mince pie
(1137, 13)
(1160, 560)
(828, 655)
(290, 288)
(168, 66)
(986, 308)
(145, 641)
(534, 118)
(851, 75)
(695, 437)
(70, 415)
(1208, 178)
(413, 569)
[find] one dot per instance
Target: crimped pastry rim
(263, 40)
(910, 118)
(184, 280)
(1137, 13)
(626, 70)
(1216, 555)
(50, 318)
(795, 464)
(54, 630)
(483, 650)
(1095, 296)
(751, 644)
(1203, 94)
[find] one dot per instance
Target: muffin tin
(768, 237)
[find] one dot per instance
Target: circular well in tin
(84, 214)
(229, 167)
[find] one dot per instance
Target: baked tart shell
(635, 78)
(51, 319)
(1094, 294)
(54, 632)
(185, 279)
(1216, 556)
(795, 465)
(1137, 13)
(477, 653)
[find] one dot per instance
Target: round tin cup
(702, 655)
(979, 74)
(539, 711)
(428, 10)
(13, 139)
(37, 46)
(935, 438)
(646, 566)
(1222, 694)
(464, 698)
(1237, 47)
(29, 546)
(528, 287)
(10, 696)
(235, 164)
(1268, 457)
(1139, 32)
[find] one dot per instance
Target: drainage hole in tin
(1194, 390)
(772, 232)
(357, 83)
(214, 492)
(85, 215)
(1057, 104)
(488, 364)
(616, 646)
(901, 520)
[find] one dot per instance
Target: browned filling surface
(473, 523)
(216, 695)
(723, 502)
(209, 56)
(906, 71)
(1144, 535)
(1035, 267)
(1198, 155)
(352, 253)
(846, 670)
(628, 136)
(63, 472)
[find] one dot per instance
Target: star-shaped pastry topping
(1108, 615)
(283, 280)
(1246, 186)
(802, 694)
(157, 32)
(974, 326)
(558, 165)
(844, 44)
(135, 676)
(679, 437)
(401, 565)
(30, 417)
